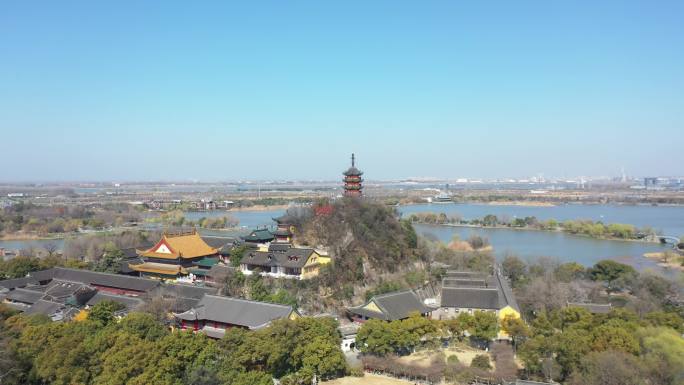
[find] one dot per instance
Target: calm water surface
(669, 219)
(564, 247)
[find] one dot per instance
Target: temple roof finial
(352, 159)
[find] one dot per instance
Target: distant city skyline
(287, 91)
(427, 180)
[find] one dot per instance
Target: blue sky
(259, 90)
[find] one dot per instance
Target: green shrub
(481, 361)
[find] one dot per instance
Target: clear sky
(121, 90)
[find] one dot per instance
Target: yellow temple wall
(313, 265)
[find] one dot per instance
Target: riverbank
(260, 208)
(667, 259)
(465, 246)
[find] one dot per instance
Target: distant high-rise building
(352, 180)
(650, 182)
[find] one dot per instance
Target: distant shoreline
(243, 209)
(526, 203)
(521, 203)
(33, 237)
(466, 225)
(260, 208)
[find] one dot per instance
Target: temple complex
(278, 257)
(214, 314)
(176, 255)
(352, 180)
(283, 260)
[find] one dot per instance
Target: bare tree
(51, 249)
(159, 307)
(544, 293)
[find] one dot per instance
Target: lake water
(669, 219)
(33, 243)
(564, 247)
(526, 244)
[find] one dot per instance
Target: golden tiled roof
(186, 245)
(158, 268)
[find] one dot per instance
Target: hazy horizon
(287, 91)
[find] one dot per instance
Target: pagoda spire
(352, 179)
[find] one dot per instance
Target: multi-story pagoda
(352, 180)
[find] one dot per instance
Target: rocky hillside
(366, 239)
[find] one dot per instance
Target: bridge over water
(669, 239)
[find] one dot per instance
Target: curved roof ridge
(393, 293)
(99, 273)
(249, 300)
(470, 288)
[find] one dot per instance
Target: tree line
(177, 218)
(589, 228)
(30, 218)
(137, 349)
(636, 342)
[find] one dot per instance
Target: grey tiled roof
(44, 307)
(95, 278)
(290, 257)
(465, 290)
(218, 242)
(43, 275)
(18, 282)
(235, 311)
(58, 288)
(184, 297)
(506, 296)
(24, 296)
(179, 305)
(464, 282)
(470, 298)
(188, 291)
(277, 247)
(130, 302)
(394, 306)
